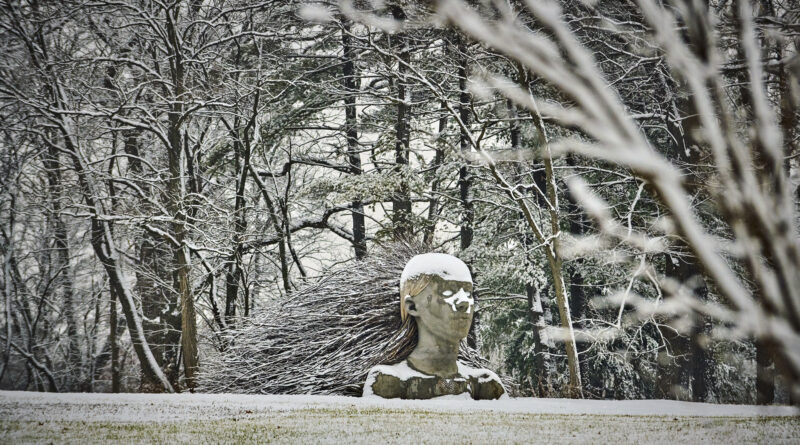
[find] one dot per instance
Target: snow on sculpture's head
(436, 289)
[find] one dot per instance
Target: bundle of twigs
(325, 337)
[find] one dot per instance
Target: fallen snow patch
(20, 405)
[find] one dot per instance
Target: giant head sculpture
(436, 291)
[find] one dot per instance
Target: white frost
(483, 375)
(404, 372)
(401, 370)
(35, 406)
(460, 296)
(443, 265)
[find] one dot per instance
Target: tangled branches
(324, 338)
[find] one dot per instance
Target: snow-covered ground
(27, 417)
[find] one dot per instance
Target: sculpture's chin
(462, 327)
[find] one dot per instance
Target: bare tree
(757, 202)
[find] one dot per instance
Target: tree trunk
(351, 87)
(7, 249)
(703, 361)
(62, 267)
(464, 176)
(684, 267)
(160, 310)
(234, 274)
(175, 198)
(577, 292)
(536, 318)
(106, 251)
(112, 338)
(280, 228)
(765, 374)
(401, 202)
(556, 266)
(674, 365)
(438, 159)
(677, 363)
(535, 305)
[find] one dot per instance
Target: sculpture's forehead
(442, 265)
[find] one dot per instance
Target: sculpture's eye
(447, 293)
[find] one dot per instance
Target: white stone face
(442, 265)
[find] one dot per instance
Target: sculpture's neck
(435, 357)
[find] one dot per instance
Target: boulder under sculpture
(436, 291)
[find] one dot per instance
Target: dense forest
(620, 176)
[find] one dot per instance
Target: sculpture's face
(444, 308)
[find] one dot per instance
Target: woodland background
(172, 170)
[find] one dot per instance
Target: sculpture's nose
(460, 302)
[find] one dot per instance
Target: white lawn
(27, 417)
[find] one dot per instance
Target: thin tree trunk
(535, 306)
(676, 363)
(577, 293)
(62, 266)
(554, 260)
(175, 188)
(279, 229)
(351, 87)
(8, 252)
(703, 361)
(536, 318)
(684, 268)
(233, 275)
(765, 374)
(464, 176)
(438, 159)
(106, 251)
(112, 338)
(401, 202)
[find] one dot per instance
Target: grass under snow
(147, 418)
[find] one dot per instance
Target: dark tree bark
(577, 292)
(682, 127)
(765, 374)
(160, 309)
(351, 87)
(464, 176)
(234, 273)
(112, 338)
(62, 267)
(401, 201)
(702, 360)
(535, 307)
(280, 229)
(438, 159)
(106, 251)
(690, 374)
(175, 205)
(536, 318)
